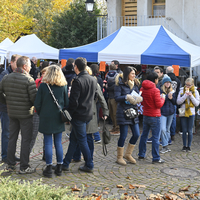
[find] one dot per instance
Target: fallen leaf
(99, 197)
(182, 195)
(94, 195)
(172, 192)
(128, 177)
(111, 172)
(75, 188)
(184, 188)
(119, 186)
(196, 194)
(105, 192)
(125, 193)
(139, 186)
(192, 196)
(87, 185)
(131, 186)
(107, 188)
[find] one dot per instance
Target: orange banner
(102, 66)
(176, 69)
(63, 62)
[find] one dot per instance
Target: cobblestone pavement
(180, 169)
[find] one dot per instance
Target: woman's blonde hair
(88, 69)
(166, 90)
(189, 80)
(54, 76)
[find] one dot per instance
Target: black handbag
(65, 116)
(106, 137)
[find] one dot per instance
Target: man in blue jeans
(152, 102)
(4, 114)
(80, 107)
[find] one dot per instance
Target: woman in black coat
(126, 83)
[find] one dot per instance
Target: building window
(159, 8)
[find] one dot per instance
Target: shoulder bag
(106, 137)
(65, 116)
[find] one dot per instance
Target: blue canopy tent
(152, 45)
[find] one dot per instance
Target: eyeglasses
(188, 85)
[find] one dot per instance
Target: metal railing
(108, 25)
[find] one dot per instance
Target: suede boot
(48, 171)
(128, 153)
(120, 153)
(58, 170)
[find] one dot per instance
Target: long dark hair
(126, 72)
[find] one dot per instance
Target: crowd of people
(28, 106)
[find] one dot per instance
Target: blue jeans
(77, 154)
(173, 125)
(48, 142)
(78, 136)
(187, 124)
(152, 123)
(165, 123)
(5, 134)
(124, 131)
(97, 136)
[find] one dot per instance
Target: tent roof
(6, 43)
(153, 45)
(31, 45)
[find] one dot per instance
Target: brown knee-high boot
(120, 153)
(128, 153)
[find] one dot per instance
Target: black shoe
(184, 149)
(158, 161)
(48, 171)
(4, 160)
(17, 159)
(188, 149)
(85, 169)
(65, 168)
(141, 158)
(75, 161)
(54, 167)
(58, 170)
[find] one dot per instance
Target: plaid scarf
(20, 70)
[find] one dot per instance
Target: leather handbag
(131, 113)
(106, 137)
(65, 116)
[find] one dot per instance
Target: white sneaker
(28, 170)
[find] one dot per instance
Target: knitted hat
(165, 79)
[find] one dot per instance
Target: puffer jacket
(182, 97)
(110, 78)
(121, 90)
(18, 91)
(152, 102)
(168, 107)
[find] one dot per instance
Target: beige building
(181, 17)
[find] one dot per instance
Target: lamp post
(89, 4)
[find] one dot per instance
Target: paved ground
(180, 170)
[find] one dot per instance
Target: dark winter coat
(110, 78)
(168, 107)
(152, 102)
(18, 91)
(121, 90)
(3, 107)
(50, 119)
(82, 96)
(69, 75)
(33, 71)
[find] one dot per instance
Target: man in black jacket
(34, 70)
(80, 107)
(176, 84)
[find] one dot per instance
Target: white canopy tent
(31, 45)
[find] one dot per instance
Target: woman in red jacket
(152, 102)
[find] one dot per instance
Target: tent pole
(190, 72)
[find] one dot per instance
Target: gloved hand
(134, 99)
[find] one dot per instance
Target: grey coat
(92, 126)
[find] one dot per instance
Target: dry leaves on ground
(75, 188)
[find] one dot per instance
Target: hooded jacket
(152, 102)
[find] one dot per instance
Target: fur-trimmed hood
(119, 77)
